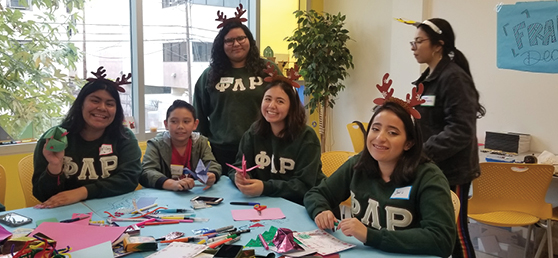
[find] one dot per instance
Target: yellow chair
(2, 185)
(25, 178)
(331, 161)
(356, 132)
(456, 204)
(541, 245)
(512, 195)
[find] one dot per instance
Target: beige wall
(515, 101)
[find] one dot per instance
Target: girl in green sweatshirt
(400, 201)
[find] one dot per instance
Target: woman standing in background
(449, 115)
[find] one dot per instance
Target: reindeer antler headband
(237, 17)
(292, 75)
(408, 104)
(100, 74)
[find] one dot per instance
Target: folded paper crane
(57, 140)
(243, 169)
(200, 171)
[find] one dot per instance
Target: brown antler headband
(408, 104)
(100, 75)
(237, 17)
(292, 75)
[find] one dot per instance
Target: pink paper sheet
(4, 233)
(78, 236)
(252, 214)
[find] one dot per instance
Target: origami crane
(200, 173)
(243, 170)
(57, 140)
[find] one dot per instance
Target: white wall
(515, 101)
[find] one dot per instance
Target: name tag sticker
(105, 149)
(430, 100)
(401, 193)
(229, 80)
(176, 171)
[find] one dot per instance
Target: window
(76, 42)
(19, 4)
(175, 52)
(202, 51)
(171, 3)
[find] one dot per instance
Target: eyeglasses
(417, 42)
(239, 39)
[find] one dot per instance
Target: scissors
(259, 208)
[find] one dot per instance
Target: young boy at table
(285, 149)
(102, 157)
(177, 148)
(400, 201)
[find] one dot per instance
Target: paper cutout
(78, 236)
(57, 140)
(178, 249)
(144, 202)
(243, 169)
(321, 241)
(267, 235)
(101, 250)
(284, 241)
(201, 171)
(256, 225)
(4, 233)
(251, 214)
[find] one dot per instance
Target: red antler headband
(100, 74)
(237, 17)
(292, 75)
(408, 104)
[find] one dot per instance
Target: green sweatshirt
(106, 167)
(157, 159)
(413, 219)
(226, 110)
(287, 170)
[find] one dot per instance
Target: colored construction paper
(57, 140)
(4, 233)
(101, 250)
(39, 222)
(251, 214)
(78, 236)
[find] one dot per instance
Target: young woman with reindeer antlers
(286, 150)
(400, 201)
(228, 94)
(449, 115)
(102, 158)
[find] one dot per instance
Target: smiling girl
(400, 201)
(102, 158)
(286, 150)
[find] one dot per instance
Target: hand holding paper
(200, 171)
(57, 140)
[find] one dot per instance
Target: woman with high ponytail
(449, 115)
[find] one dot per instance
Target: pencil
(161, 223)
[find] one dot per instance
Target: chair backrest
(512, 187)
(3, 185)
(25, 167)
(456, 204)
(332, 160)
(357, 134)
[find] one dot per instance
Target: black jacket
(449, 126)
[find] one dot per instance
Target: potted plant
(319, 45)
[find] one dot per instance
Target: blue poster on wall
(527, 37)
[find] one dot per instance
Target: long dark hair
(295, 121)
(220, 62)
(448, 49)
(404, 171)
(74, 122)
